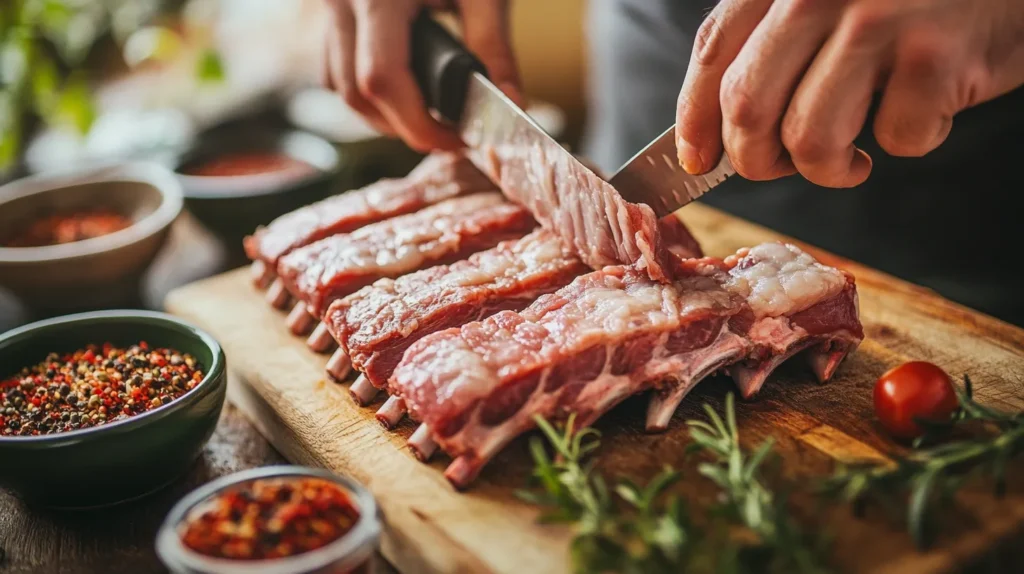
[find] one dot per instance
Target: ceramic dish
(121, 460)
(231, 206)
(353, 552)
(100, 272)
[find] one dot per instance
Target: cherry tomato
(914, 390)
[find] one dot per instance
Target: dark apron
(950, 221)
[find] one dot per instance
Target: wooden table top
(120, 539)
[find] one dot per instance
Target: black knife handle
(442, 66)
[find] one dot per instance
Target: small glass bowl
(352, 553)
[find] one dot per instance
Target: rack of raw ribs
(477, 308)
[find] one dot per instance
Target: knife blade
(654, 177)
(456, 86)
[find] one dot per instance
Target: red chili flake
(81, 389)
(271, 518)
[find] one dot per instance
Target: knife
(455, 85)
(654, 176)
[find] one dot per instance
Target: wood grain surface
(431, 528)
(120, 539)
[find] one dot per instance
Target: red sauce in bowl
(67, 228)
(251, 163)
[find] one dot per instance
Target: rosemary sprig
(631, 528)
(747, 499)
(932, 475)
(633, 532)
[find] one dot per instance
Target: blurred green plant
(44, 45)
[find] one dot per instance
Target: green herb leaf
(209, 68)
(45, 86)
(75, 106)
(747, 499)
(940, 469)
(918, 506)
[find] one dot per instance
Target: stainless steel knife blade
(490, 120)
(654, 177)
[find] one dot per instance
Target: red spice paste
(255, 163)
(68, 228)
(271, 518)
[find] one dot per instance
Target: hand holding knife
(455, 84)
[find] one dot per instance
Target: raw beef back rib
(439, 177)
(791, 303)
(375, 325)
(586, 211)
(508, 277)
(331, 268)
(616, 332)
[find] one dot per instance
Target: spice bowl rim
(139, 172)
(214, 375)
(240, 187)
(343, 552)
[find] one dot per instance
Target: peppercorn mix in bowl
(104, 407)
(281, 519)
(83, 240)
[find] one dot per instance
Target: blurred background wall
(549, 39)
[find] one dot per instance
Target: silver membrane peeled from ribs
(586, 211)
(375, 325)
(331, 268)
(611, 334)
(439, 177)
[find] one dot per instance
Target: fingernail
(860, 169)
(866, 157)
(689, 157)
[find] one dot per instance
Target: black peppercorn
(90, 387)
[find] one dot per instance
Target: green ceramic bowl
(118, 461)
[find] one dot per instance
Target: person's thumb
(485, 29)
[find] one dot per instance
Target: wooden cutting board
(430, 527)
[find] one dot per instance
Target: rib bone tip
(299, 321)
(391, 412)
(422, 444)
(363, 391)
(461, 472)
(321, 340)
(261, 274)
(339, 366)
(277, 295)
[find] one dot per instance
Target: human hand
(785, 86)
(368, 57)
